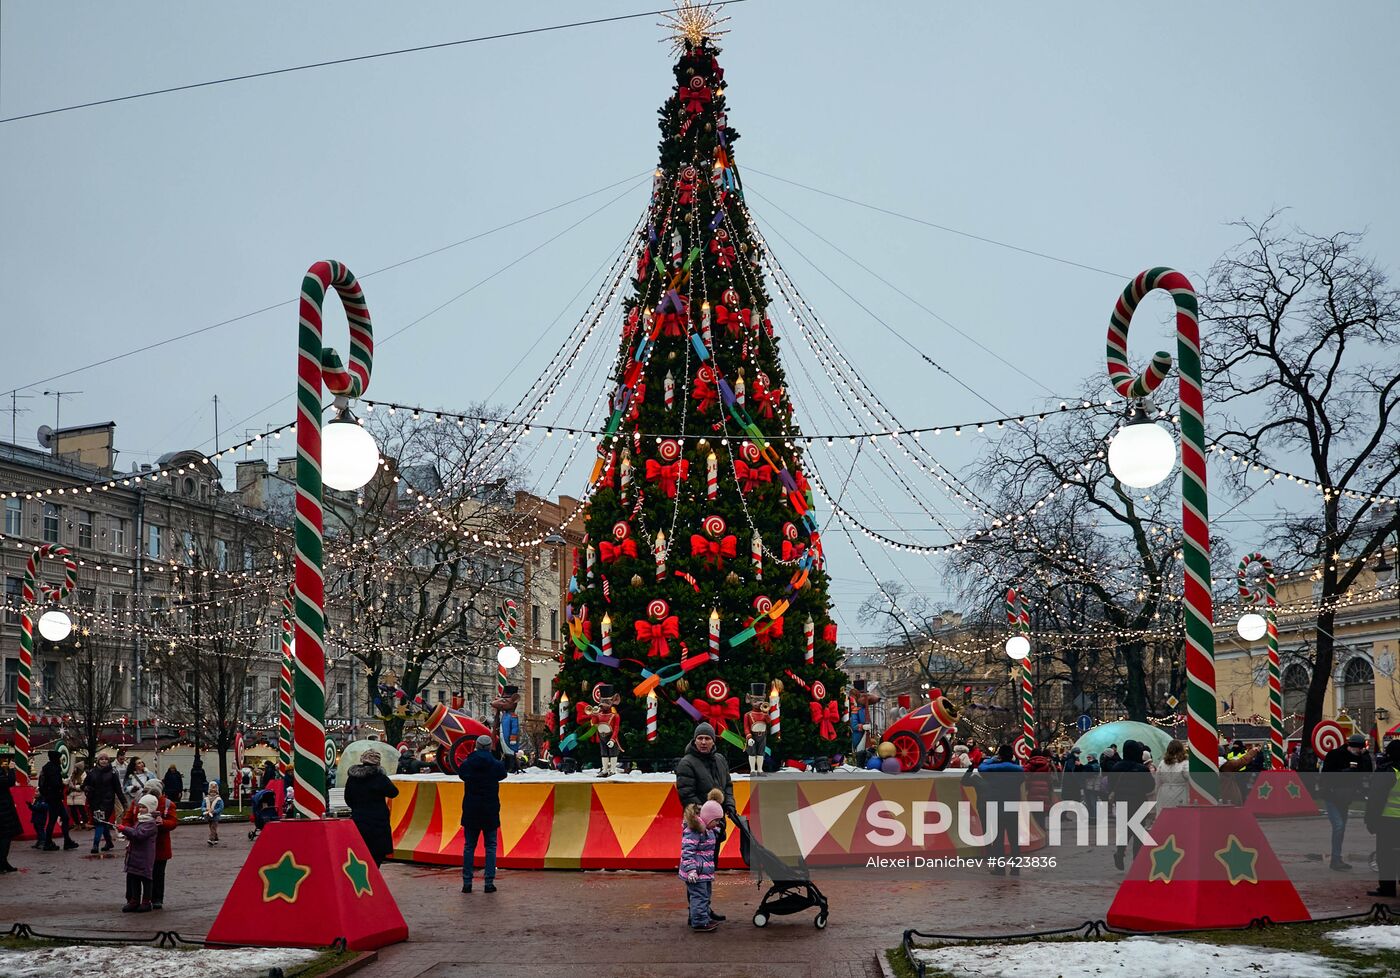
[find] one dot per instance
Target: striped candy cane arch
(284, 687)
(34, 592)
(1195, 520)
(1252, 595)
(1018, 619)
(505, 630)
(317, 365)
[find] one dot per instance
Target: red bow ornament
(825, 717)
(718, 714)
(714, 551)
(793, 551)
(685, 186)
(766, 635)
(630, 326)
(723, 251)
(705, 394)
(668, 475)
(829, 633)
(751, 475)
(612, 553)
(659, 634)
(764, 400)
(695, 95)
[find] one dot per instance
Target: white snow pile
(144, 962)
(1131, 958)
(1373, 938)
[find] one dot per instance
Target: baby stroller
(264, 805)
(792, 891)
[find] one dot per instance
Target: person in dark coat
(53, 788)
(1000, 782)
(199, 781)
(1339, 790)
(104, 794)
(173, 783)
(269, 774)
(367, 793)
(1383, 819)
(702, 768)
(10, 825)
(482, 775)
(1131, 783)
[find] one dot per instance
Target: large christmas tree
(700, 520)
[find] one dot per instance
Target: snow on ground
(1158, 957)
(146, 962)
(1373, 938)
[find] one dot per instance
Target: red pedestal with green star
(1209, 867)
(309, 884)
(1280, 794)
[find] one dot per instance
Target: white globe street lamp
(508, 656)
(1141, 453)
(1018, 647)
(1252, 626)
(55, 625)
(349, 456)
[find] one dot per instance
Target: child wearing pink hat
(699, 850)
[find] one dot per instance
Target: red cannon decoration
(923, 737)
(456, 735)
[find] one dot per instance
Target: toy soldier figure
(609, 723)
(505, 725)
(756, 729)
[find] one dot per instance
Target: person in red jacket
(166, 821)
(1040, 787)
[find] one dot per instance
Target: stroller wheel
(760, 919)
(820, 920)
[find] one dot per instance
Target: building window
(14, 599)
(1359, 693)
(87, 598)
(250, 696)
(221, 554)
(49, 671)
(340, 696)
(535, 622)
(85, 528)
(442, 696)
(247, 557)
(119, 537)
(152, 540)
(554, 624)
(118, 604)
(11, 681)
(14, 518)
(534, 695)
(187, 547)
(50, 523)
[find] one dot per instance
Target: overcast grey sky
(1115, 135)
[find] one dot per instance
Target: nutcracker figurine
(860, 720)
(505, 725)
(605, 717)
(756, 728)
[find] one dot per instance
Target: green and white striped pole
(318, 364)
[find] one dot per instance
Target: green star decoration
(1165, 859)
(282, 880)
(357, 872)
(1294, 789)
(1239, 861)
(1265, 790)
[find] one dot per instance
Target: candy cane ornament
(1201, 729)
(285, 713)
(318, 365)
(1250, 595)
(1018, 619)
(33, 592)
